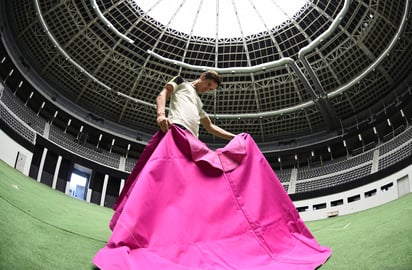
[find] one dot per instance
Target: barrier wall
(14, 154)
(358, 199)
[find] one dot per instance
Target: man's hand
(163, 122)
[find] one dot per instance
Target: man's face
(206, 85)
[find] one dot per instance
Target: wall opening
(78, 184)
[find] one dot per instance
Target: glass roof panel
(235, 18)
(206, 20)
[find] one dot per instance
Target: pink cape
(185, 206)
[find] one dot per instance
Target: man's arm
(215, 130)
(161, 100)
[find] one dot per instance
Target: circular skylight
(222, 18)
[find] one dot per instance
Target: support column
(67, 191)
(122, 181)
(103, 197)
(56, 171)
(43, 159)
(89, 195)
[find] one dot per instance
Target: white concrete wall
(9, 152)
(364, 202)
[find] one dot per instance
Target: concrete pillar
(122, 181)
(89, 195)
(67, 191)
(103, 198)
(43, 159)
(56, 171)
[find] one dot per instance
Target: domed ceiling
(314, 67)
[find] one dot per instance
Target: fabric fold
(189, 207)
(225, 159)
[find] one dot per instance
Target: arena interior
(325, 90)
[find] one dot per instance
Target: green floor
(45, 229)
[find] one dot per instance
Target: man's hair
(213, 75)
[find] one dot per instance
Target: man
(185, 206)
(186, 108)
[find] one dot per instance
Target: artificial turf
(45, 229)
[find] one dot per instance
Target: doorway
(78, 183)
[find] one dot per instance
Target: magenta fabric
(189, 207)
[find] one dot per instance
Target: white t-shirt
(186, 108)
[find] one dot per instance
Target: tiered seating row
(331, 168)
(396, 142)
(391, 152)
(87, 151)
(284, 175)
(17, 125)
(333, 180)
(23, 112)
(395, 156)
(130, 162)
